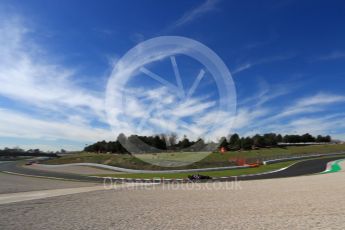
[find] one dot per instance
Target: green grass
(172, 159)
(216, 159)
(212, 160)
(120, 160)
(233, 172)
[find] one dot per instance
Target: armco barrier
(301, 157)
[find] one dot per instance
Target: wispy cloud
(311, 104)
(158, 110)
(28, 76)
(331, 56)
(288, 119)
(320, 99)
(250, 64)
(332, 124)
(267, 93)
(195, 13)
(16, 124)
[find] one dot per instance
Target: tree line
(157, 143)
(22, 152)
(235, 142)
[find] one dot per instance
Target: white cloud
(192, 107)
(293, 118)
(314, 125)
(246, 117)
(251, 64)
(158, 111)
(332, 56)
(15, 124)
(320, 99)
(197, 12)
(28, 76)
(311, 104)
(157, 107)
(266, 93)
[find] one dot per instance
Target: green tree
(235, 142)
(185, 143)
(270, 139)
(247, 143)
(307, 138)
(259, 141)
(223, 143)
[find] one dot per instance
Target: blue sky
(286, 59)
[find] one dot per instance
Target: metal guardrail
(299, 157)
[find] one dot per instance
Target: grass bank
(236, 172)
(212, 160)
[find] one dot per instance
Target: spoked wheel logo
(170, 105)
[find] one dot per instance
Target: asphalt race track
(13, 167)
(305, 167)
